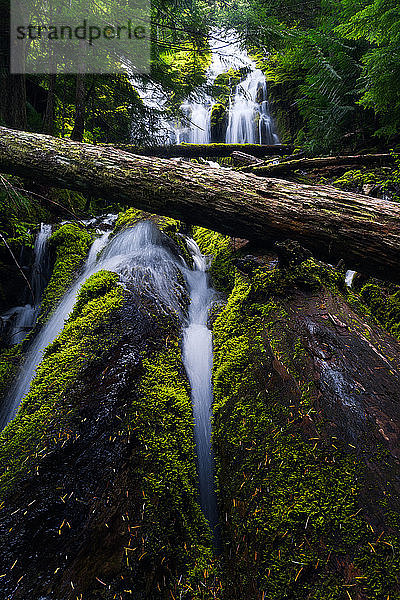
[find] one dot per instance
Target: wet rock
(291, 253)
(248, 264)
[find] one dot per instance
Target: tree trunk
(333, 224)
(321, 163)
(79, 124)
(49, 116)
(206, 150)
(12, 86)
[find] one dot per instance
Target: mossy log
(323, 162)
(331, 223)
(206, 150)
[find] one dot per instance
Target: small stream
(21, 319)
(198, 360)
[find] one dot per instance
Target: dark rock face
(291, 253)
(248, 264)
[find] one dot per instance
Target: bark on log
(241, 159)
(204, 150)
(321, 163)
(333, 224)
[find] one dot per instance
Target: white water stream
(198, 360)
(23, 318)
(249, 118)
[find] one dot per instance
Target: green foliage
(378, 24)
(70, 244)
(386, 308)
(334, 66)
(18, 212)
(355, 179)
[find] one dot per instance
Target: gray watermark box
(80, 36)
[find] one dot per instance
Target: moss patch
(70, 243)
(218, 246)
(10, 360)
(386, 308)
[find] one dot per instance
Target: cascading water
(24, 317)
(249, 118)
(141, 261)
(349, 278)
(148, 267)
(198, 359)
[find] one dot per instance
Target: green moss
(96, 286)
(132, 216)
(225, 83)
(42, 412)
(70, 243)
(218, 246)
(10, 360)
(355, 179)
(386, 308)
(291, 505)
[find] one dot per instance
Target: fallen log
(306, 164)
(205, 150)
(333, 224)
(241, 159)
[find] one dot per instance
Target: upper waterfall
(245, 117)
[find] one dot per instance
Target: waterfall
(349, 278)
(41, 266)
(198, 359)
(249, 118)
(23, 318)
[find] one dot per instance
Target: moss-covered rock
(218, 247)
(296, 501)
(41, 410)
(70, 245)
(225, 83)
(218, 122)
(102, 451)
